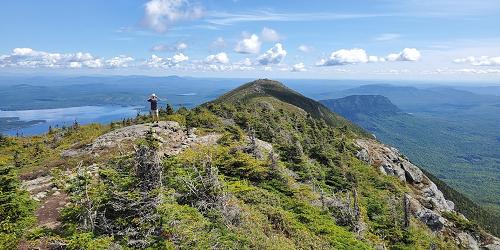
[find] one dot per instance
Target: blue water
(66, 117)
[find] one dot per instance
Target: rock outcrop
(426, 201)
(171, 136)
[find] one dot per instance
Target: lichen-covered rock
(492, 246)
(429, 217)
(426, 202)
(363, 155)
(412, 172)
(170, 135)
(435, 197)
(467, 241)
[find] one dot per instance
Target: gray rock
(433, 220)
(466, 240)
(412, 172)
(433, 195)
(363, 155)
(492, 246)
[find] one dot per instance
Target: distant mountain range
(350, 106)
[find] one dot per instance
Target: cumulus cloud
(344, 56)
(177, 58)
(249, 45)
(121, 61)
(159, 15)
(407, 54)
(181, 46)
(218, 43)
(218, 58)
(479, 61)
(270, 35)
(30, 58)
(272, 56)
(356, 56)
(160, 48)
(158, 62)
(375, 59)
(305, 48)
(174, 47)
(299, 67)
(246, 62)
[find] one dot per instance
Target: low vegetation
(306, 191)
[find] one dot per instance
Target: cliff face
(426, 202)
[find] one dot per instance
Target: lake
(66, 117)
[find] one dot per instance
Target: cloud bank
(358, 56)
(30, 58)
(479, 61)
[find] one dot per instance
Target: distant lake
(66, 116)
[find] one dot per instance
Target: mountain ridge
(272, 176)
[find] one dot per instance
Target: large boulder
(435, 198)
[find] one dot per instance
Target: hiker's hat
(153, 95)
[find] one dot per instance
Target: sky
(351, 39)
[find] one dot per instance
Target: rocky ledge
(426, 202)
(171, 136)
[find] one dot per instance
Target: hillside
(262, 167)
(462, 155)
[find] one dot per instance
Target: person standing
(153, 100)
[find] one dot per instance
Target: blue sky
(377, 39)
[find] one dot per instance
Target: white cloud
(177, 58)
(218, 43)
(121, 61)
(30, 58)
(345, 56)
(479, 61)
(218, 58)
(305, 48)
(181, 46)
(387, 37)
(408, 54)
(479, 71)
(356, 56)
(249, 45)
(160, 48)
(270, 35)
(174, 47)
(299, 67)
(159, 15)
(374, 59)
(272, 56)
(158, 62)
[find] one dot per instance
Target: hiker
(153, 99)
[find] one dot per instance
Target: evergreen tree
(170, 110)
(18, 161)
(16, 208)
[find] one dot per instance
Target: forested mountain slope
(434, 145)
(262, 167)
